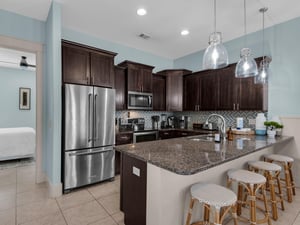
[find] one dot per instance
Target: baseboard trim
(55, 190)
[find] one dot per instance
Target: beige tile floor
(24, 202)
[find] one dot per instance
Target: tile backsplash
(195, 117)
(124, 114)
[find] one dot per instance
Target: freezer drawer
(88, 166)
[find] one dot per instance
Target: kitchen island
(156, 176)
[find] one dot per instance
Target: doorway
(37, 49)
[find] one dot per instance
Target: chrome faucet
(223, 126)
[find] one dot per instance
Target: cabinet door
(250, 95)
(208, 90)
(146, 80)
(75, 65)
(191, 92)
(159, 92)
(228, 89)
(102, 73)
(174, 92)
(133, 190)
(134, 79)
(120, 86)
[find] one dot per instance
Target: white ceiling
(116, 20)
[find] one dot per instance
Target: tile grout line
(61, 211)
(103, 207)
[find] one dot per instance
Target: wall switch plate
(251, 121)
(136, 171)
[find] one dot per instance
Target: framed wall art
(24, 98)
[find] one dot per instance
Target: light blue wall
(11, 81)
(21, 27)
(281, 42)
(124, 52)
(52, 95)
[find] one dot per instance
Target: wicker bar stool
(286, 162)
(215, 198)
(250, 182)
(271, 171)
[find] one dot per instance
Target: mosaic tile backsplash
(195, 117)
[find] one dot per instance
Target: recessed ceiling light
(184, 32)
(141, 12)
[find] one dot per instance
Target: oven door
(145, 136)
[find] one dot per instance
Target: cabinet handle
(166, 133)
(238, 106)
(198, 107)
(195, 107)
(184, 134)
(233, 106)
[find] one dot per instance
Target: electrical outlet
(251, 121)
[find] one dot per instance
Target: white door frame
(37, 48)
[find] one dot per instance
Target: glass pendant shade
(215, 55)
(246, 66)
(263, 73)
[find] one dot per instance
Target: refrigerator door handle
(90, 153)
(95, 119)
(89, 119)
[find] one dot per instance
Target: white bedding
(17, 143)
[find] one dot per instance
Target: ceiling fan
(23, 62)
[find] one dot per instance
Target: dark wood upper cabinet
(102, 70)
(120, 86)
(174, 88)
(159, 92)
(75, 64)
(228, 88)
(201, 91)
(191, 94)
(83, 64)
(139, 76)
(208, 90)
(220, 90)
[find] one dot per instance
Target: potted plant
(272, 128)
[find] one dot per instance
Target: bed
(16, 143)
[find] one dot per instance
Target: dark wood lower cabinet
(133, 190)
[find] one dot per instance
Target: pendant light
(215, 55)
(246, 66)
(263, 71)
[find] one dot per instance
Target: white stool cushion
(279, 158)
(213, 195)
(265, 166)
(246, 176)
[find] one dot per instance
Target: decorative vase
(278, 132)
(271, 133)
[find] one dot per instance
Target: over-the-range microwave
(139, 100)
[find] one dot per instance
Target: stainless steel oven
(142, 136)
(139, 100)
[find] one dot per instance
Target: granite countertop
(186, 157)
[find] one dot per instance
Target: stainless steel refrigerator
(88, 135)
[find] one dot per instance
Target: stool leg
(206, 213)
(189, 216)
(263, 187)
(234, 215)
(239, 199)
(279, 189)
(272, 194)
(292, 178)
(217, 217)
(288, 182)
(252, 199)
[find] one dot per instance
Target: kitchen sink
(202, 137)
